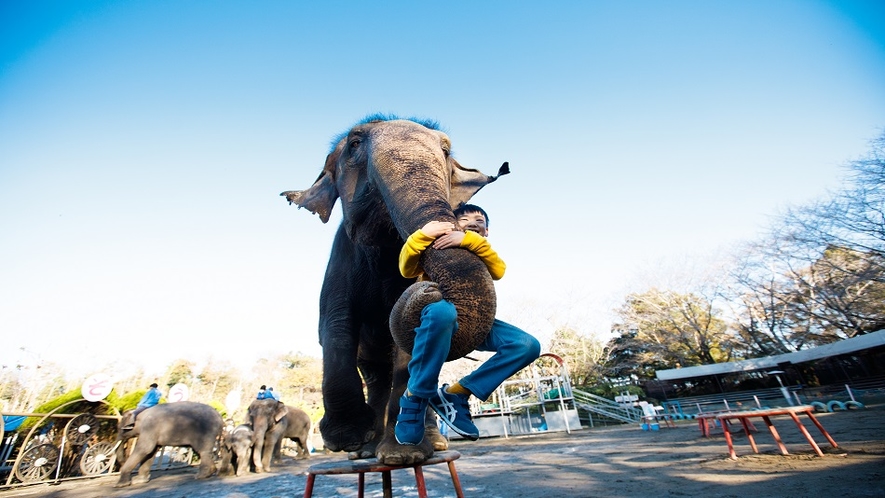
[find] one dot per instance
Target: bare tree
(832, 255)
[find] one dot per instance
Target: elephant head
(268, 420)
(393, 176)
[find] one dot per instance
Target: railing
(728, 401)
(606, 407)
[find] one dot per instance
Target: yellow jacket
(418, 242)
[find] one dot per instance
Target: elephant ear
(280, 412)
(467, 182)
(320, 198)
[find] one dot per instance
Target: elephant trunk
(413, 175)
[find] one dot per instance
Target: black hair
(471, 208)
(154, 385)
(263, 386)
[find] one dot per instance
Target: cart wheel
(81, 428)
(37, 463)
(97, 459)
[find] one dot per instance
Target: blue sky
(143, 146)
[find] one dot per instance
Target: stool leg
(456, 481)
(362, 485)
(387, 484)
(419, 479)
(308, 489)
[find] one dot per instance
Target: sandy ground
(614, 461)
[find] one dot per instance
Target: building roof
(845, 346)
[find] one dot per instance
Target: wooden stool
(361, 467)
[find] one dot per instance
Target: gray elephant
(392, 176)
(184, 423)
(236, 450)
(268, 420)
(298, 430)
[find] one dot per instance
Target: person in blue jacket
(150, 398)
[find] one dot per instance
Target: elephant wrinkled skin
(392, 176)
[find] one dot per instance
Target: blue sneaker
(454, 410)
(409, 428)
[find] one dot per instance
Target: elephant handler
(150, 398)
(514, 349)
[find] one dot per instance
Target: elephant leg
(378, 376)
(389, 451)
(243, 458)
(348, 422)
(227, 458)
(140, 457)
(207, 460)
(303, 452)
(271, 446)
(431, 432)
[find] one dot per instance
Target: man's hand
(451, 239)
(436, 228)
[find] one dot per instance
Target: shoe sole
(445, 419)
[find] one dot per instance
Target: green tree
(666, 329)
(180, 371)
(583, 355)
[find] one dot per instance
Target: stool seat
(362, 467)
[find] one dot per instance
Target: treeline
(815, 277)
(296, 377)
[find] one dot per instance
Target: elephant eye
(355, 142)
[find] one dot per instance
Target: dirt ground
(614, 461)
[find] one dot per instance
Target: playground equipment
(538, 399)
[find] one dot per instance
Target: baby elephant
(236, 449)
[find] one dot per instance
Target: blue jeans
(514, 350)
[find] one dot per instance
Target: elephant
(298, 430)
(236, 449)
(392, 176)
(183, 423)
(269, 422)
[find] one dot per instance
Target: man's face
(474, 222)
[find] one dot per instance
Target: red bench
(792, 411)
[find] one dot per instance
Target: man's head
(473, 218)
(154, 385)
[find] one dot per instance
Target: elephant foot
(437, 440)
(140, 479)
(206, 474)
(350, 431)
(123, 484)
(368, 450)
(431, 432)
(390, 452)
